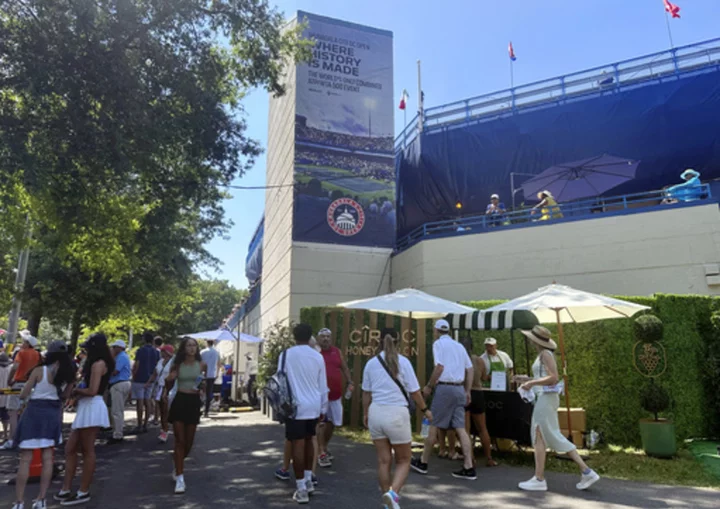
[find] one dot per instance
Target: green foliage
(277, 339)
(648, 329)
(120, 126)
(654, 398)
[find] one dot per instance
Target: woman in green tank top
(188, 373)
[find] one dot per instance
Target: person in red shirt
(336, 368)
(26, 360)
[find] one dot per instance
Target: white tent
(213, 335)
(409, 303)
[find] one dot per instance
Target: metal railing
(612, 78)
(528, 217)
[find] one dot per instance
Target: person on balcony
(548, 207)
(689, 190)
(496, 210)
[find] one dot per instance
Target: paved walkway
(235, 455)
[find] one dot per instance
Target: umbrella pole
(512, 344)
(564, 372)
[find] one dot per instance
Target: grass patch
(612, 462)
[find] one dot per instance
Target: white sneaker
(18, 505)
(391, 500)
(7, 445)
(301, 497)
(587, 480)
(533, 485)
(179, 486)
(39, 504)
(310, 487)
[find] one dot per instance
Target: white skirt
(91, 413)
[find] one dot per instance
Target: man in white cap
(120, 386)
(495, 360)
(452, 380)
(496, 210)
(26, 358)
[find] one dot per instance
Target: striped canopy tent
(493, 320)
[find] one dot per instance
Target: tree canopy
(120, 124)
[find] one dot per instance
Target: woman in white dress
(91, 416)
(545, 428)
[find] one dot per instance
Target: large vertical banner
(344, 160)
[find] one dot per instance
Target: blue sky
(463, 48)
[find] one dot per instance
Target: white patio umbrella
(409, 303)
(562, 304)
(213, 335)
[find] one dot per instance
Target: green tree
(120, 124)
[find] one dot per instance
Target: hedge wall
(603, 379)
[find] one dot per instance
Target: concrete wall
(668, 250)
(277, 241)
(326, 274)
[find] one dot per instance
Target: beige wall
(277, 241)
(326, 274)
(672, 250)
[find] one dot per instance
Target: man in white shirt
(305, 370)
(452, 381)
(495, 360)
(211, 358)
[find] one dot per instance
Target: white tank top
(45, 390)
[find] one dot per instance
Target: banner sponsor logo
(346, 217)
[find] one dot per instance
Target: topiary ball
(648, 329)
(654, 398)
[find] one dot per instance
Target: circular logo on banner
(346, 217)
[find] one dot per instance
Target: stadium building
(351, 212)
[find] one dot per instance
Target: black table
(508, 416)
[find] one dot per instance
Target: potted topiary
(658, 435)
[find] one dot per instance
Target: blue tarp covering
(668, 126)
(253, 261)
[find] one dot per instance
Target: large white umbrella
(409, 303)
(562, 304)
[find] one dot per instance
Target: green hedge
(603, 379)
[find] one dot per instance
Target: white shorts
(390, 422)
(13, 401)
(335, 412)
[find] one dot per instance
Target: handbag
(410, 402)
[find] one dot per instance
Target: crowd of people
(351, 142)
(370, 167)
(173, 387)
(315, 372)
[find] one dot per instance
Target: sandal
(443, 455)
(491, 463)
(457, 456)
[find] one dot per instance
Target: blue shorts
(140, 392)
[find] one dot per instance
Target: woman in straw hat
(545, 428)
(548, 206)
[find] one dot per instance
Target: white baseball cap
(442, 325)
(495, 196)
(119, 344)
(491, 341)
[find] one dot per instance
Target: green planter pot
(658, 438)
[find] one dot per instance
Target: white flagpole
(420, 101)
(667, 22)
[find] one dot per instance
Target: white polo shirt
(453, 357)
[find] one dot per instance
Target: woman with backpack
(388, 383)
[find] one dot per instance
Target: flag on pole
(511, 51)
(404, 99)
(672, 9)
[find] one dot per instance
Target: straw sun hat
(540, 336)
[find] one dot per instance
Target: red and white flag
(672, 9)
(511, 52)
(404, 99)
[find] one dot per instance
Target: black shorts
(477, 403)
(185, 408)
(300, 430)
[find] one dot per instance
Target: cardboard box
(577, 438)
(577, 419)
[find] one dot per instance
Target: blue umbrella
(582, 179)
